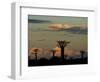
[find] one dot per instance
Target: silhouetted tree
(53, 51)
(82, 54)
(62, 45)
(35, 52)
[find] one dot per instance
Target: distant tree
(53, 51)
(82, 53)
(36, 52)
(62, 45)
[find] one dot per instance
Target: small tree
(53, 51)
(82, 54)
(35, 52)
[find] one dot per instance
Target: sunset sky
(45, 31)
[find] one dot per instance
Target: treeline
(57, 61)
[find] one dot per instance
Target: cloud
(58, 26)
(78, 29)
(38, 21)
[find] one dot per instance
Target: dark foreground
(57, 61)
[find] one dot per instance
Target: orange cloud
(58, 26)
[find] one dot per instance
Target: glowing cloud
(58, 26)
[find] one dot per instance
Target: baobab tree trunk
(53, 54)
(82, 54)
(62, 53)
(36, 56)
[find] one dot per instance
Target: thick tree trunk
(53, 54)
(62, 53)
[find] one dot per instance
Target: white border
(19, 41)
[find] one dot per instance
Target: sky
(45, 31)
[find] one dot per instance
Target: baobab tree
(62, 45)
(82, 53)
(35, 52)
(53, 51)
